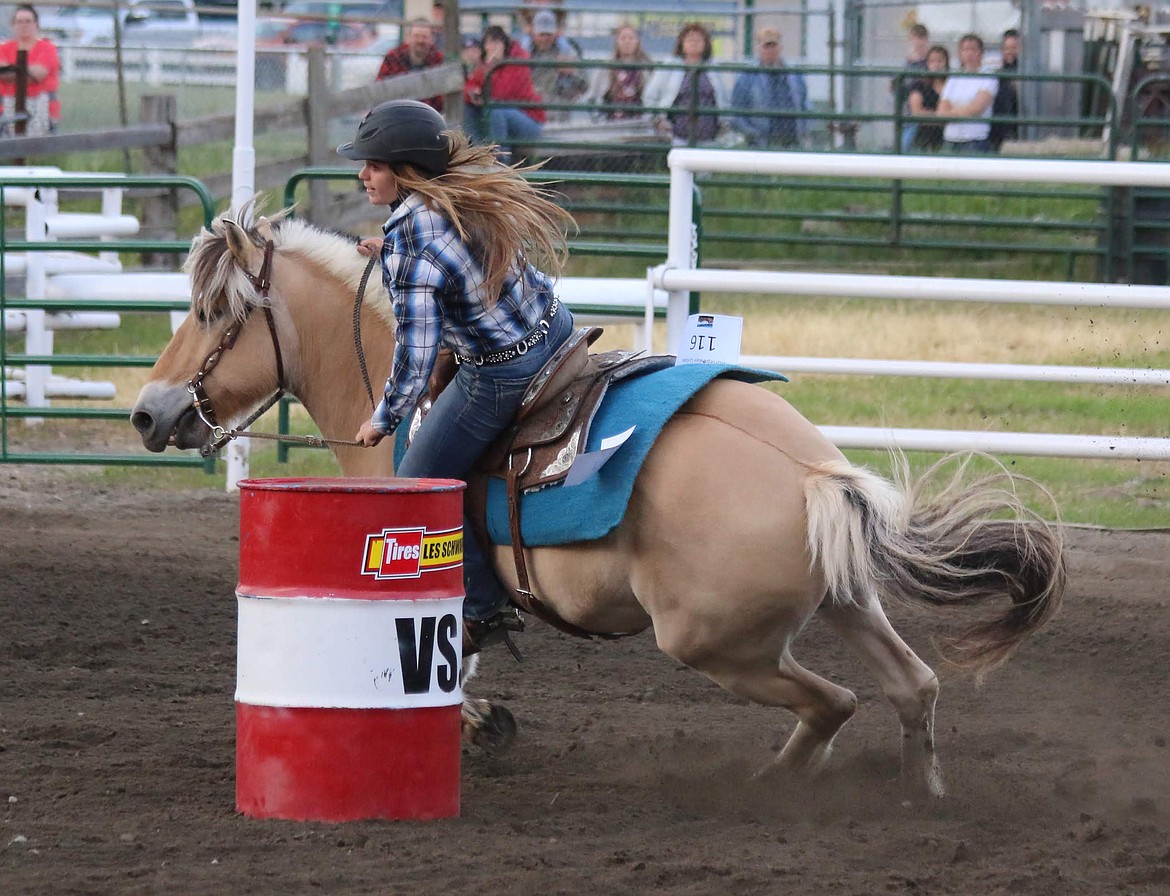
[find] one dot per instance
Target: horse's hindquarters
(716, 526)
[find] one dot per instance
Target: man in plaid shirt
(416, 52)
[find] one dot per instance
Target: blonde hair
(507, 220)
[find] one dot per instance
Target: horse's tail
(969, 542)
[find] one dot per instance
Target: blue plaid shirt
(436, 284)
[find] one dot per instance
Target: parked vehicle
(299, 33)
(383, 15)
(344, 9)
(141, 19)
(144, 22)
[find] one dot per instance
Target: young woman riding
(457, 259)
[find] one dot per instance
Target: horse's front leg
(486, 725)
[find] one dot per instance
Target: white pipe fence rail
(44, 221)
(680, 274)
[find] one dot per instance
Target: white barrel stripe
(354, 654)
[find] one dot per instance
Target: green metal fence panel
(60, 413)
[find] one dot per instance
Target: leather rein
(201, 401)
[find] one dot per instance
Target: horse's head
(223, 361)
(257, 326)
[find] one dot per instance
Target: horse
(736, 465)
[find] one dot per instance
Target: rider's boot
(481, 633)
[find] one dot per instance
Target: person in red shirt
(491, 83)
(416, 52)
(44, 69)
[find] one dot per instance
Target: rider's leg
(478, 404)
(453, 435)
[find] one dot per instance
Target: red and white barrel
(350, 639)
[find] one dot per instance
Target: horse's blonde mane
(219, 286)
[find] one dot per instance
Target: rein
(202, 401)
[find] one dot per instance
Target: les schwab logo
(408, 553)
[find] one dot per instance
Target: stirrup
(481, 633)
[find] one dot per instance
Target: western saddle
(551, 429)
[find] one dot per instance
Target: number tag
(711, 339)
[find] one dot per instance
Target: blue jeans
(501, 125)
(909, 132)
(479, 404)
(969, 146)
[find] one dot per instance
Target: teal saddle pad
(591, 509)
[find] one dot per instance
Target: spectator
(559, 85)
(688, 90)
(916, 52)
(622, 86)
(968, 97)
(1007, 97)
(44, 69)
(565, 44)
(769, 90)
(508, 83)
(438, 23)
(924, 97)
(415, 53)
(471, 54)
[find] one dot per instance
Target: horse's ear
(238, 243)
(264, 228)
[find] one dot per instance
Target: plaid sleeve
(417, 280)
(392, 64)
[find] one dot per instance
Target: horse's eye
(207, 315)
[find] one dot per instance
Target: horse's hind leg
(822, 707)
(908, 683)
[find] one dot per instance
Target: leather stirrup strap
(515, 471)
(525, 599)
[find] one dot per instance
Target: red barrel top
(372, 539)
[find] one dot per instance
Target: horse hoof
(496, 733)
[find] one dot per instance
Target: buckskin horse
(735, 465)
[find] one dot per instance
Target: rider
(457, 258)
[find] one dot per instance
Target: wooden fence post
(160, 211)
(319, 115)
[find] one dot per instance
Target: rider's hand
(367, 436)
(371, 246)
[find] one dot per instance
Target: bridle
(201, 401)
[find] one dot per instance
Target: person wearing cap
(416, 52)
(470, 54)
(771, 88)
(459, 256)
(527, 18)
(557, 84)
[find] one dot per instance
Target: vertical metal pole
(680, 248)
(243, 176)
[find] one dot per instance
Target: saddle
(550, 431)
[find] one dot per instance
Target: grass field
(1110, 493)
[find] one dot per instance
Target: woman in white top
(675, 87)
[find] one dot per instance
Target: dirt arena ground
(117, 664)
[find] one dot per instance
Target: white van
(93, 25)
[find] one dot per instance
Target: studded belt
(538, 333)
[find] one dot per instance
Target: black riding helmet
(401, 131)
